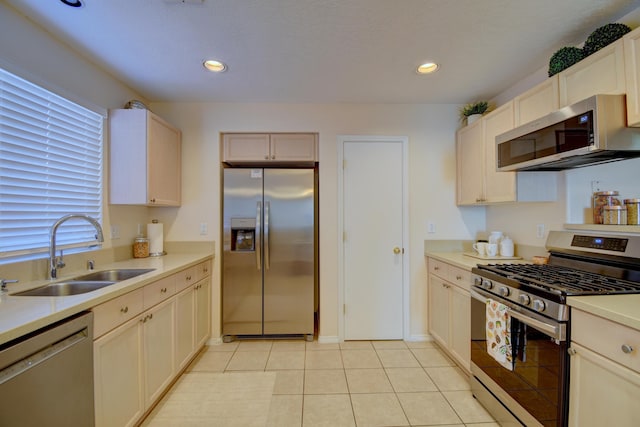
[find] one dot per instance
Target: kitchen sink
(66, 288)
(115, 275)
(86, 283)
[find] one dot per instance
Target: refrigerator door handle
(258, 243)
(267, 208)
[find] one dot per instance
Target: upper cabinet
(270, 147)
(478, 181)
(632, 68)
(145, 159)
(600, 73)
(536, 102)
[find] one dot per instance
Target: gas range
(579, 264)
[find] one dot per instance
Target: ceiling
(322, 51)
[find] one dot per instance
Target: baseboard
(419, 338)
(325, 339)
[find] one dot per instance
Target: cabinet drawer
(185, 278)
(460, 277)
(607, 338)
(203, 270)
(439, 268)
(111, 314)
(159, 291)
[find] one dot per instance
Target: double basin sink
(86, 283)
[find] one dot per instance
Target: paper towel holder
(159, 253)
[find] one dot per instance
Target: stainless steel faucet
(56, 262)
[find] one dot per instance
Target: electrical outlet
(431, 227)
(540, 231)
(203, 229)
(595, 186)
(115, 231)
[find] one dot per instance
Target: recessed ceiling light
(215, 66)
(72, 3)
(427, 68)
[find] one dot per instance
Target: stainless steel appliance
(532, 389)
(46, 377)
(589, 132)
(269, 256)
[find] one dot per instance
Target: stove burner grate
(563, 280)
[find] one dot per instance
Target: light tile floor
(356, 383)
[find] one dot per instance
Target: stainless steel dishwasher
(46, 377)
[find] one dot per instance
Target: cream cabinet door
(245, 147)
(293, 147)
(460, 343)
(537, 101)
(498, 186)
(158, 349)
(164, 163)
(470, 164)
(632, 68)
(185, 327)
(118, 376)
(602, 392)
(439, 310)
(600, 73)
(203, 312)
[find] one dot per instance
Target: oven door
(535, 391)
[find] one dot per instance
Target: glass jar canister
(140, 247)
(633, 208)
(615, 215)
(600, 200)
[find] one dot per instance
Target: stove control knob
(487, 284)
(504, 291)
(539, 305)
(525, 299)
(478, 281)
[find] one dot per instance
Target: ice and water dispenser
(243, 234)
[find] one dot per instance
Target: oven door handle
(557, 332)
(552, 330)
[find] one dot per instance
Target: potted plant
(473, 111)
(564, 58)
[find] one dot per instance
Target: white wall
(431, 132)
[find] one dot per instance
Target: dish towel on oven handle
(498, 332)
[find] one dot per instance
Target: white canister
(495, 237)
(506, 247)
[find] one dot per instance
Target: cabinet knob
(124, 309)
(571, 351)
(626, 348)
(273, 157)
(266, 157)
(152, 200)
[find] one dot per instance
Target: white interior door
(373, 224)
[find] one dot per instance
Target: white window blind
(50, 166)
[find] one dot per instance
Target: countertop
(459, 259)
(20, 315)
(623, 309)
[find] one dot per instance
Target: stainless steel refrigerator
(269, 268)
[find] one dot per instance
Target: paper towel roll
(155, 234)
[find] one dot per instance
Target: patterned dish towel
(498, 331)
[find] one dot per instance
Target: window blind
(50, 166)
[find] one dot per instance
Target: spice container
(633, 206)
(602, 199)
(140, 247)
(615, 215)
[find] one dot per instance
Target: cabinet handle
(458, 277)
(163, 290)
(124, 309)
(266, 157)
(152, 200)
(273, 157)
(436, 268)
(571, 351)
(626, 348)
(188, 278)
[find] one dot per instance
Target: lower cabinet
(138, 354)
(604, 373)
(449, 310)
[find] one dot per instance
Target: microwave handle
(555, 331)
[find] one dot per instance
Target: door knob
(396, 250)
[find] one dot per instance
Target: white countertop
(459, 259)
(623, 309)
(20, 315)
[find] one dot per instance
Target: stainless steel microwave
(589, 132)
